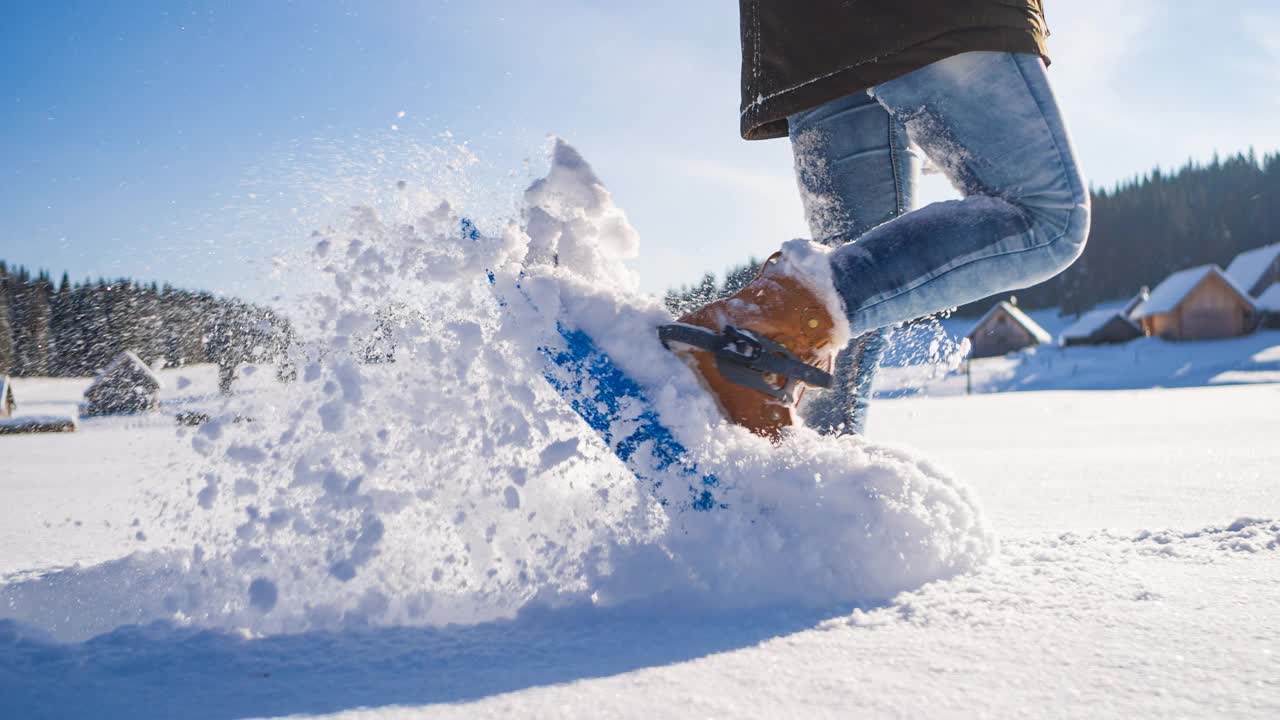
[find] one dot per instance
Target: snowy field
(1138, 364)
(1139, 574)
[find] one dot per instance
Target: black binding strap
(745, 358)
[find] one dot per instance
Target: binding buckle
(745, 358)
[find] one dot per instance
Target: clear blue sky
(171, 140)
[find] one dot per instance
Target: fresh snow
(1124, 585)
(437, 487)
(810, 263)
(439, 536)
(1146, 362)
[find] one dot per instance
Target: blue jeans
(990, 122)
(857, 169)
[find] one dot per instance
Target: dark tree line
(74, 329)
(691, 298)
(1142, 231)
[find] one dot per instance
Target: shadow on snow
(163, 671)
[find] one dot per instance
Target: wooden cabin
(125, 385)
(7, 402)
(1004, 329)
(1105, 327)
(1269, 307)
(1256, 270)
(1200, 303)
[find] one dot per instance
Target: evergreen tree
(76, 329)
(31, 319)
(62, 329)
(691, 298)
(688, 299)
(38, 333)
(738, 277)
(8, 359)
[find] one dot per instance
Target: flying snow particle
(263, 594)
(558, 452)
(206, 497)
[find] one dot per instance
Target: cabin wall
(1162, 326)
(1213, 310)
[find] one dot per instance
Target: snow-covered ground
(1131, 580)
(1138, 364)
(51, 479)
(440, 537)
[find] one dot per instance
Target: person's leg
(843, 409)
(991, 122)
(858, 377)
(856, 170)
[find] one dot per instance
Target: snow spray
(415, 468)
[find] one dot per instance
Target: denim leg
(868, 351)
(856, 170)
(991, 122)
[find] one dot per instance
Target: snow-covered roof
(1091, 322)
(1269, 300)
(128, 361)
(39, 423)
(1175, 288)
(1134, 302)
(1249, 266)
(1018, 316)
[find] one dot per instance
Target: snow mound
(419, 471)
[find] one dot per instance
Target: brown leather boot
(780, 304)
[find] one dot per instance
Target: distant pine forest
(1142, 231)
(74, 329)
